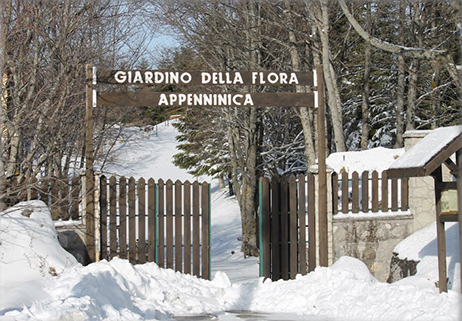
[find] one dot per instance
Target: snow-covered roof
(429, 153)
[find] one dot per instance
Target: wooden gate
(163, 222)
(287, 221)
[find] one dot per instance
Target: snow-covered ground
(41, 281)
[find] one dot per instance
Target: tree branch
(419, 53)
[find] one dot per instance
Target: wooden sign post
(89, 173)
(313, 99)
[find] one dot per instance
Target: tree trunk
(436, 103)
(303, 112)
(366, 88)
(330, 79)
(399, 143)
(412, 95)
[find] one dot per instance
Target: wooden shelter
(426, 158)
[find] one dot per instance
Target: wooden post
(440, 233)
(89, 174)
(322, 179)
(459, 206)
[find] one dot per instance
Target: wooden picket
(368, 194)
(283, 226)
(164, 222)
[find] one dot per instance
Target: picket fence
(163, 222)
(288, 218)
(368, 193)
(287, 226)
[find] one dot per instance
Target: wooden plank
(311, 222)
(103, 217)
(322, 175)
(149, 98)
(187, 227)
(113, 247)
(355, 192)
(12, 185)
(64, 198)
(141, 191)
(169, 222)
(161, 223)
(178, 227)
(151, 220)
(293, 227)
(275, 229)
(3, 186)
(459, 207)
(193, 77)
(123, 217)
(196, 229)
(55, 214)
(75, 197)
(449, 218)
(334, 193)
(32, 186)
(284, 229)
(384, 202)
(22, 190)
(394, 194)
(404, 194)
(266, 228)
(440, 234)
(345, 193)
(132, 237)
(89, 172)
(205, 231)
(44, 190)
(365, 192)
(375, 191)
(302, 225)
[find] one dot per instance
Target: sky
(39, 280)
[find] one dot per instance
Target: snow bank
(117, 290)
(30, 253)
(422, 247)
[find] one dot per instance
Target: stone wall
(370, 238)
(72, 239)
(373, 237)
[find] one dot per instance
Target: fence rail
(368, 193)
(163, 222)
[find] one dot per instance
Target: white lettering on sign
(221, 78)
(259, 78)
(205, 100)
(205, 77)
(149, 77)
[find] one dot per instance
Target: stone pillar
(421, 189)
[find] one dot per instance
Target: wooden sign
(162, 77)
(200, 99)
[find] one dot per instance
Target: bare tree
(46, 45)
